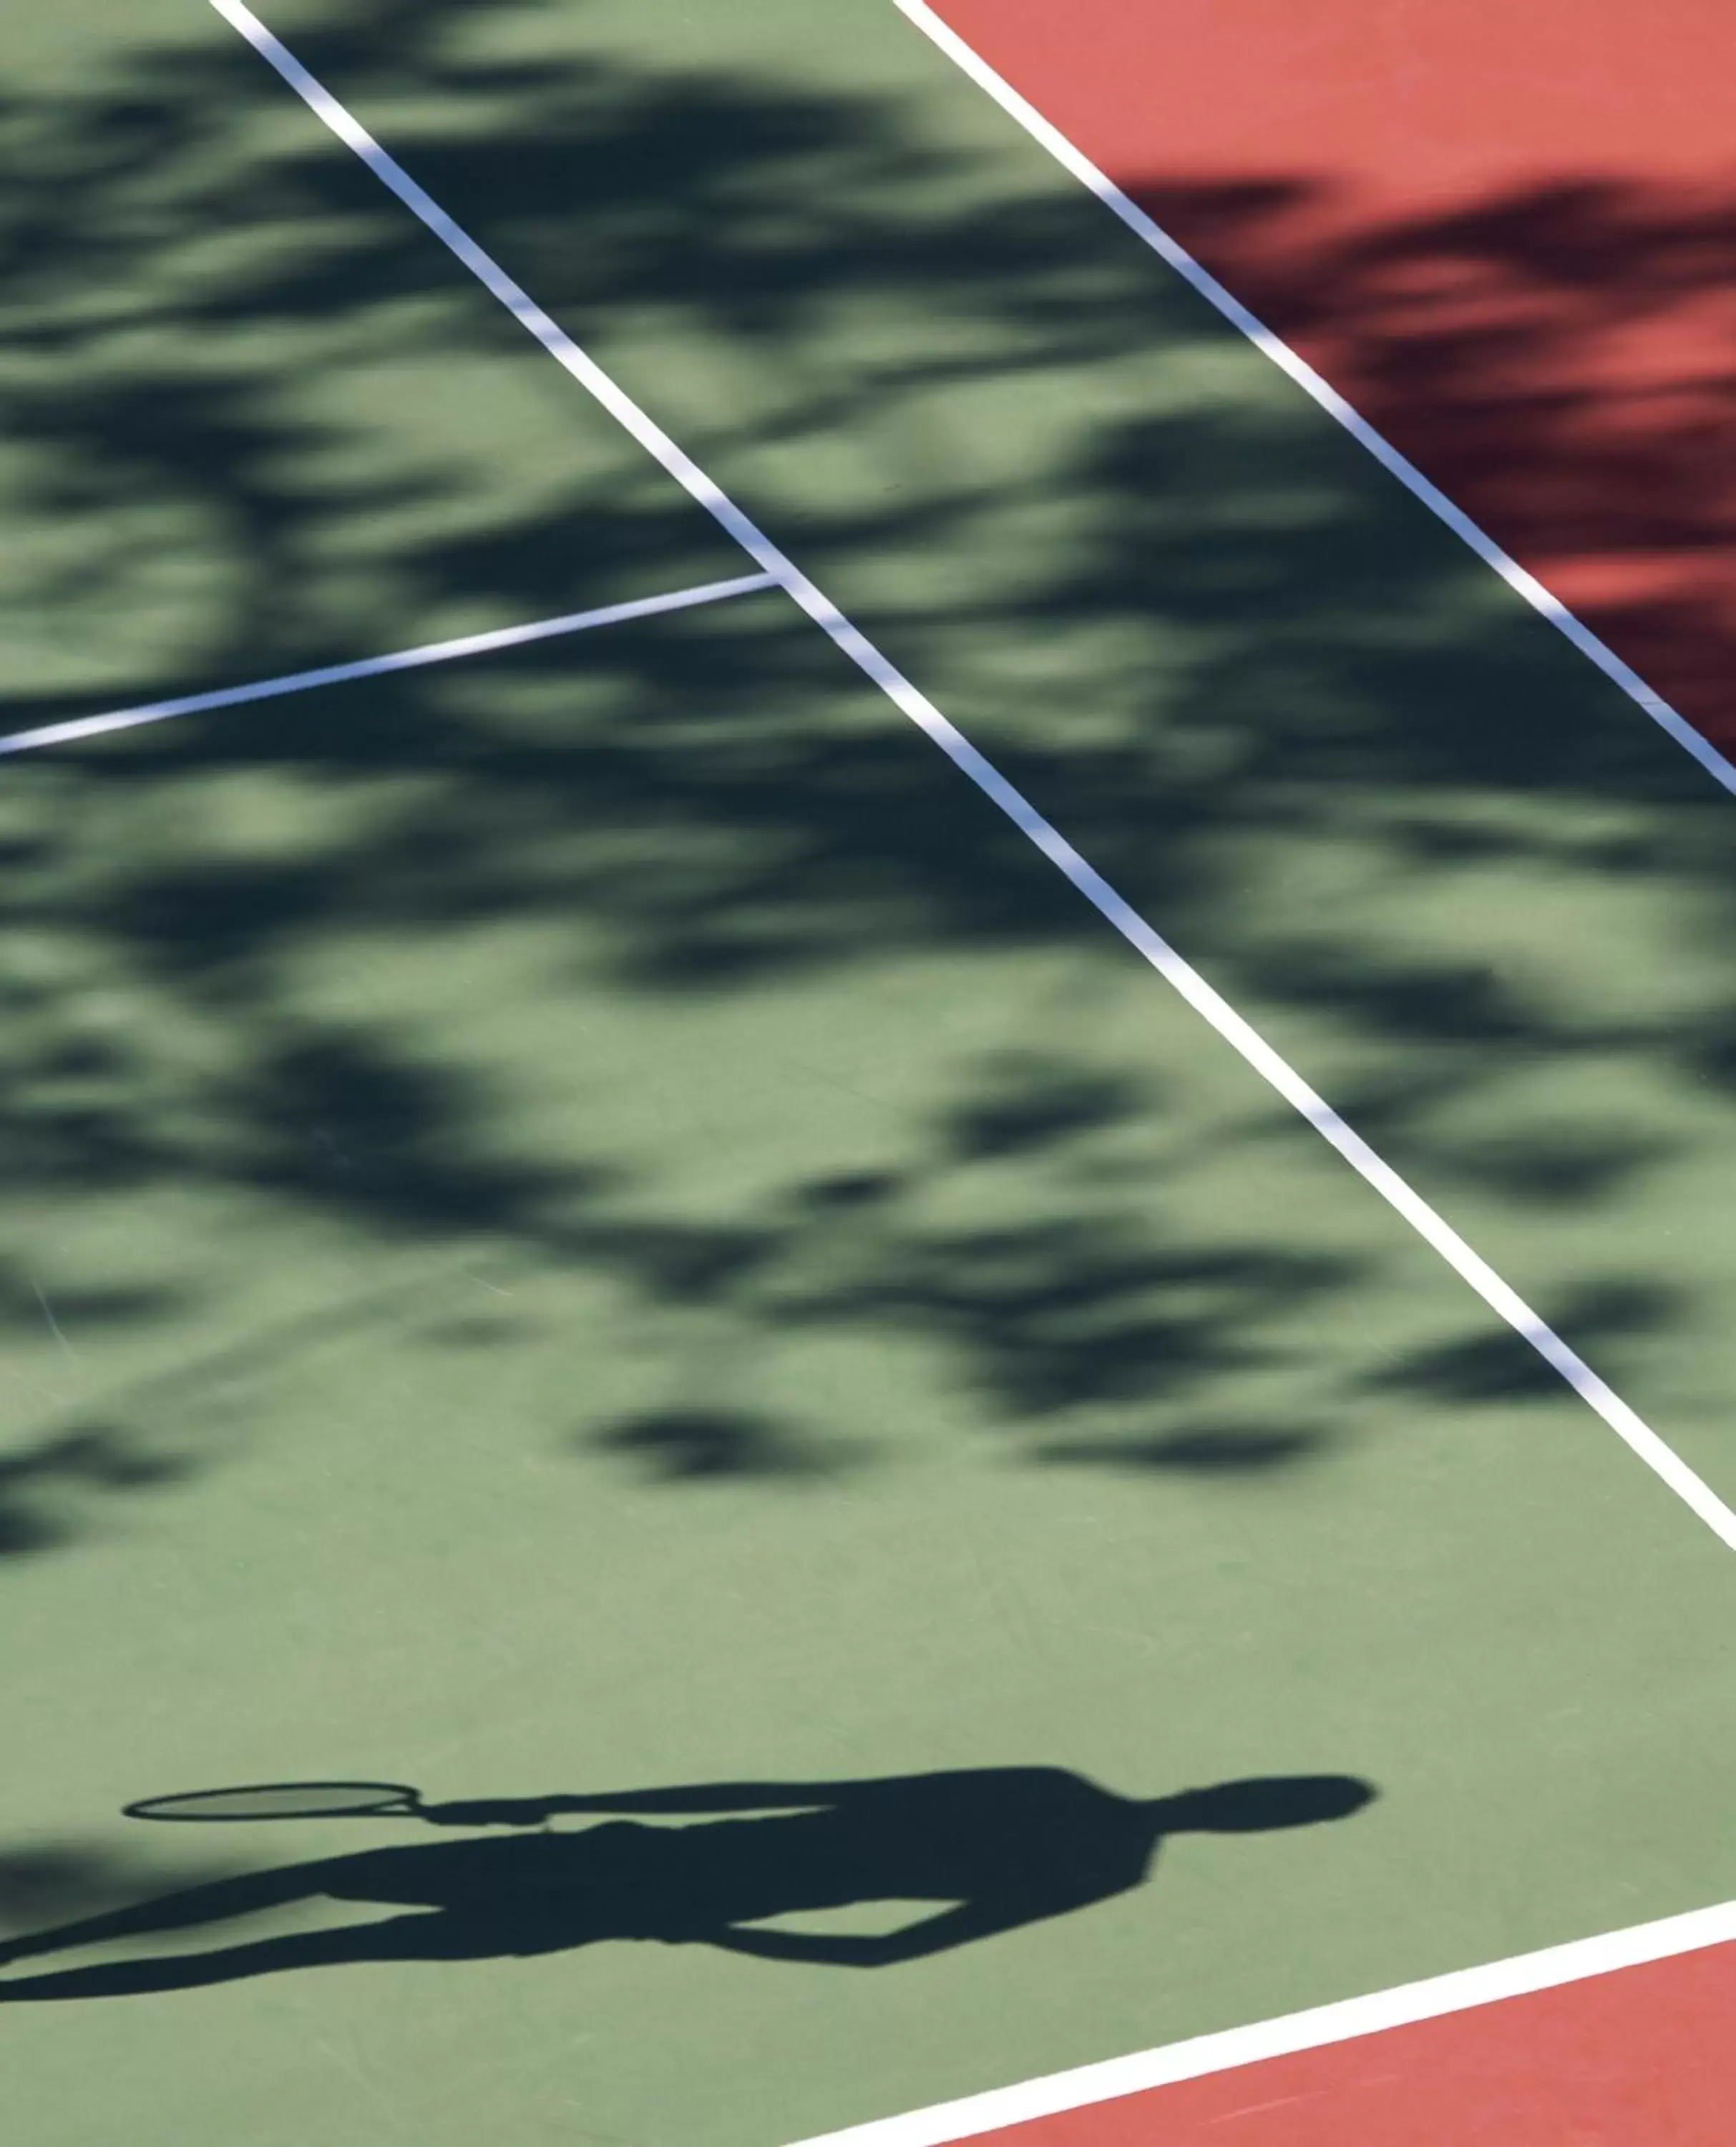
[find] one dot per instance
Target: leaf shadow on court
(1558, 358)
(993, 1849)
(290, 978)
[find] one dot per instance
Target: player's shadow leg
(424, 1934)
(220, 1902)
(469, 1901)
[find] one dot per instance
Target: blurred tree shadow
(1561, 361)
(1280, 671)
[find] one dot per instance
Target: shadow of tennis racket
(267, 1800)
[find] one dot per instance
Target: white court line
(1274, 348)
(373, 667)
(1628, 1426)
(975, 2115)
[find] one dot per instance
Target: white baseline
(1627, 1426)
(1145, 228)
(1312, 2030)
(374, 666)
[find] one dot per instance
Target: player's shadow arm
(995, 1848)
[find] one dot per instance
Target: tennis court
(928, 1105)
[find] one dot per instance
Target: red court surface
(1642, 2057)
(1507, 234)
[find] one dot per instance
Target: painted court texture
(593, 1222)
(1505, 235)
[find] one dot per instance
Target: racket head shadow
(267, 1800)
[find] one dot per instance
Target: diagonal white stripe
(1667, 1464)
(1274, 347)
(374, 666)
(971, 2117)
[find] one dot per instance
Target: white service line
(373, 667)
(1205, 1001)
(1274, 347)
(975, 2115)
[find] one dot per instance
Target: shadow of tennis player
(997, 1847)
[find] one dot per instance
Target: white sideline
(975, 2115)
(1662, 1460)
(1274, 347)
(373, 667)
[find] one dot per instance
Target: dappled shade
(1303, 734)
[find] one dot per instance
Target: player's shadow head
(1262, 1804)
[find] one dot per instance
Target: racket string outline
(270, 1800)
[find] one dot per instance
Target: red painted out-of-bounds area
(1506, 232)
(1641, 2057)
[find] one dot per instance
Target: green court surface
(597, 1218)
